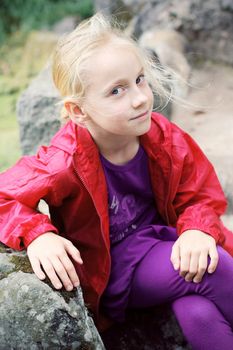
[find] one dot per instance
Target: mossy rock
(14, 261)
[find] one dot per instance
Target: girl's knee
(201, 315)
(194, 310)
(225, 263)
(218, 286)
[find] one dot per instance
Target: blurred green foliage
(25, 15)
(23, 53)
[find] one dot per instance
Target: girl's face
(118, 99)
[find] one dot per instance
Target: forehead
(113, 62)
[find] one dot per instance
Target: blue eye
(116, 91)
(140, 79)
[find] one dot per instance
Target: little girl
(134, 203)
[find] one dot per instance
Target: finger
(175, 256)
(202, 266)
(70, 269)
(193, 267)
(50, 272)
(35, 263)
(73, 251)
(213, 253)
(61, 272)
(184, 263)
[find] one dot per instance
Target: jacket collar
(66, 139)
(71, 137)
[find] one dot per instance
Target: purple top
(130, 198)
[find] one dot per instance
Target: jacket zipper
(168, 192)
(101, 227)
(84, 185)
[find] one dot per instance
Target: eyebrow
(122, 81)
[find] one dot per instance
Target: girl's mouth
(140, 116)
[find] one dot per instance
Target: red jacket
(68, 175)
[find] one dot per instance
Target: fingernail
(76, 284)
(196, 281)
(176, 266)
(69, 287)
(58, 286)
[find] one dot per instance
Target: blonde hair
(73, 51)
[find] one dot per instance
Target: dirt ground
(209, 120)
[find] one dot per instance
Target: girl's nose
(139, 98)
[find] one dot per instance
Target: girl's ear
(76, 113)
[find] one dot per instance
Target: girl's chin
(145, 127)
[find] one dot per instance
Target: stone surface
(35, 316)
(207, 25)
(66, 25)
(38, 112)
(152, 329)
(169, 46)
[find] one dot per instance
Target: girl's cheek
(117, 107)
(150, 95)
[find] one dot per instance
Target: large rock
(151, 329)
(208, 25)
(38, 111)
(33, 315)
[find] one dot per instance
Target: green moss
(21, 263)
(2, 248)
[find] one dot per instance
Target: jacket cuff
(215, 232)
(33, 234)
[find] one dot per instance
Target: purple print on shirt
(124, 211)
(130, 198)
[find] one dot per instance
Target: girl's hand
(190, 255)
(52, 253)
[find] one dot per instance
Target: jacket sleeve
(21, 188)
(199, 201)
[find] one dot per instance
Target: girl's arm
(22, 187)
(23, 226)
(199, 201)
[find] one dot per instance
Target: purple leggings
(204, 310)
